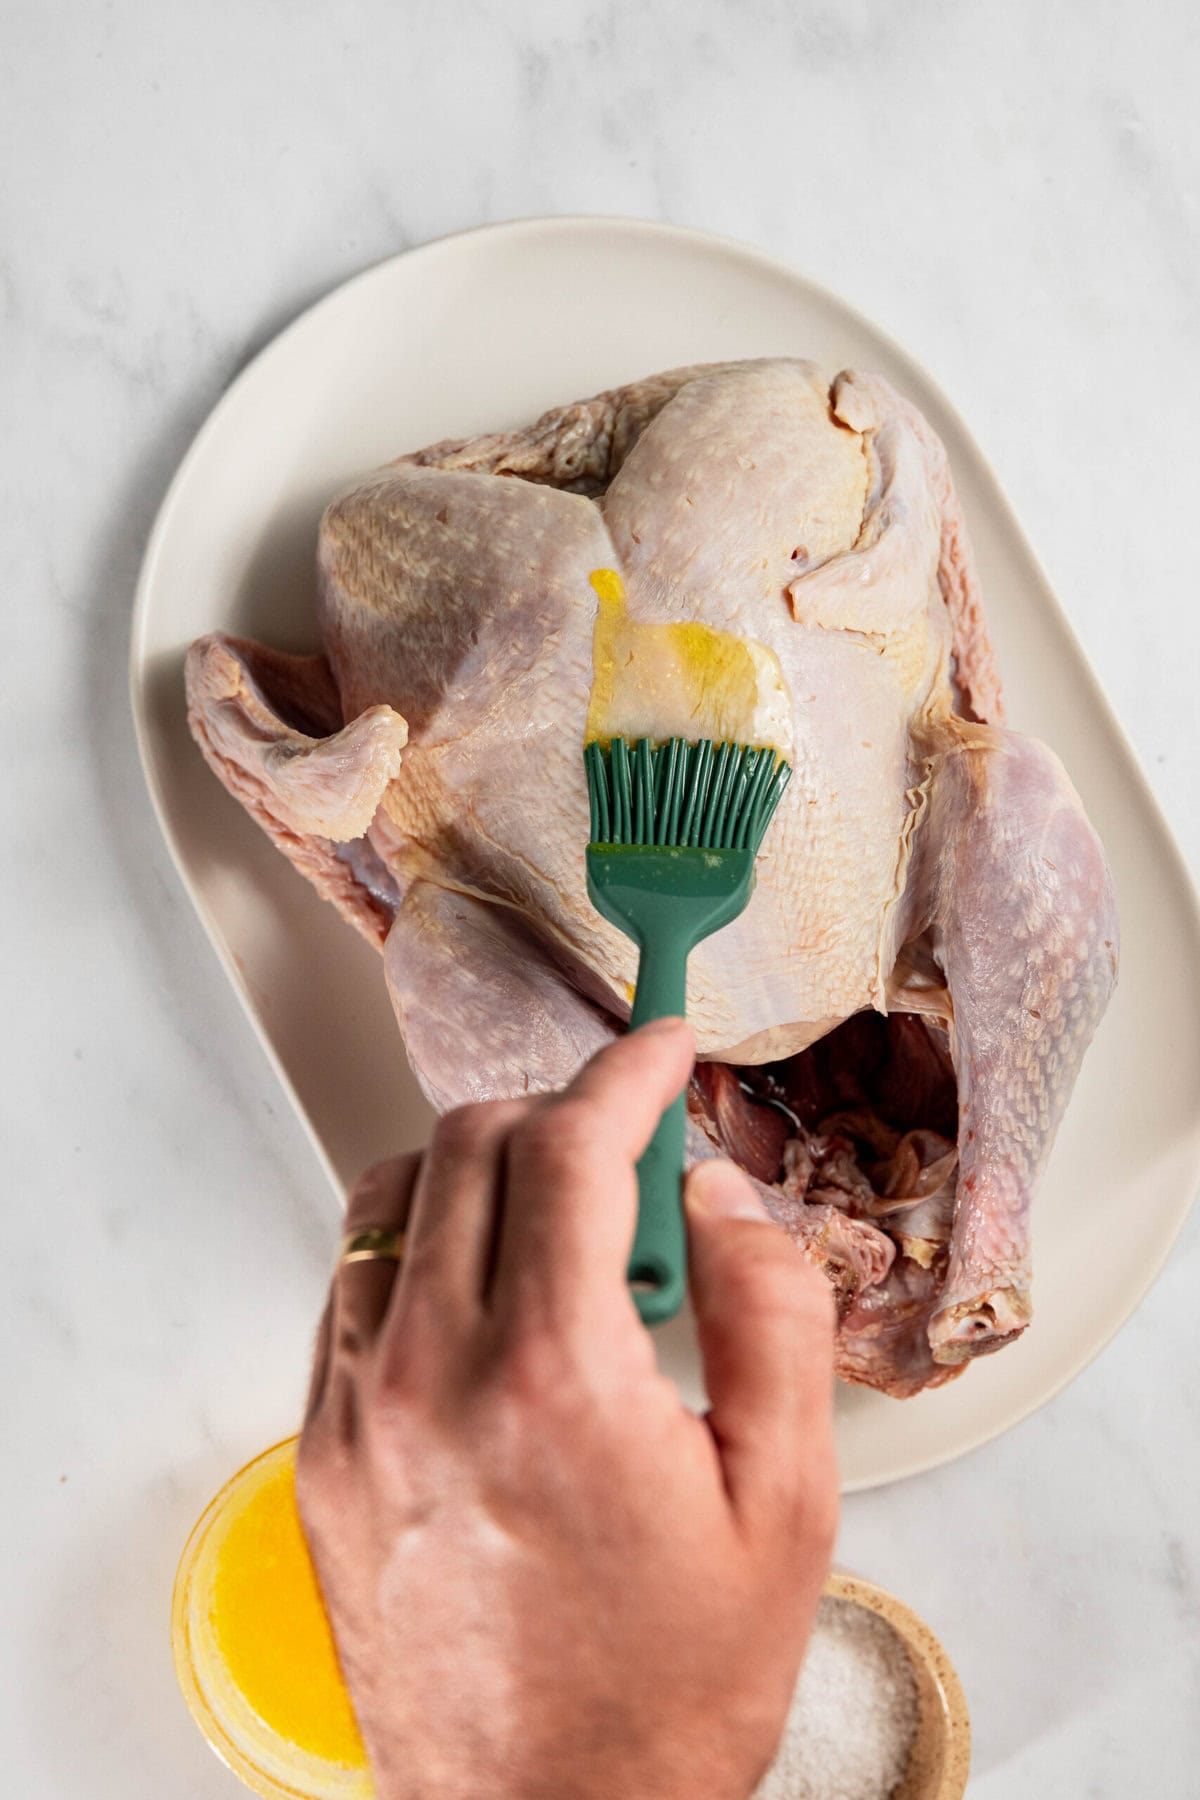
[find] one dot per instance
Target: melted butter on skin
(684, 680)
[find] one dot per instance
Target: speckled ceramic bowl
(941, 1753)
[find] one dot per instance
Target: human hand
(547, 1579)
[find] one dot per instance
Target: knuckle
(560, 1135)
(821, 1509)
(813, 1503)
(398, 1390)
(537, 1377)
(407, 1408)
(456, 1131)
(378, 1184)
(395, 1432)
(797, 1505)
(465, 1130)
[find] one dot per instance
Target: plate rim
(564, 225)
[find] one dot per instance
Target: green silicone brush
(675, 830)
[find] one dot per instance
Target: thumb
(765, 1320)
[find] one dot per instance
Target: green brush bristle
(706, 795)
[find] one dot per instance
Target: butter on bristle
(682, 679)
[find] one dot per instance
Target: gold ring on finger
(373, 1243)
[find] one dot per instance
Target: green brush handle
(658, 1262)
(674, 832)
(667, 898)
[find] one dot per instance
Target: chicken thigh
(890, 1033)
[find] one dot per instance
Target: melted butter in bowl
(682, 679)
(253, 1649)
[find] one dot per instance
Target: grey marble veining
(1014, 192)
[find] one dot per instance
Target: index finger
(570, 1194)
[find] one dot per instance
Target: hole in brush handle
(656, 1288)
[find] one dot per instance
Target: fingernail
(660, 1025)
(720, 1188)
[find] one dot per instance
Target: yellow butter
(270, 1627)
(681, 679)
(253, 1649)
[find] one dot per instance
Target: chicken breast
(890, 1032)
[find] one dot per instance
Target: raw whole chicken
(890, 1032)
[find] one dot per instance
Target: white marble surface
(1013, 190)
